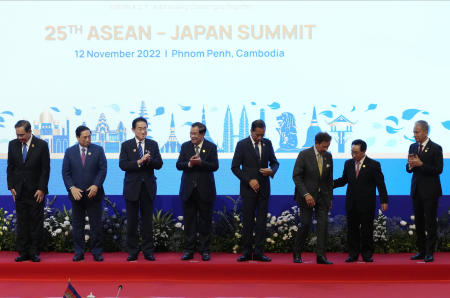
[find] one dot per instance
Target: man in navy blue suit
(425, 161)
(139, 157)
(253, 163)
(84, 171)
(198, 161)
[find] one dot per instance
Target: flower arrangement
(390, 234)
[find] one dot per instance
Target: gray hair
(423, 125)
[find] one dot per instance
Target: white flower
(6, 212)
(314, 222)
(178, 225)
(275, 235)
(295, 228)
(268, 215)
(58, 231)
(67, 223)
(412, 217)
(5, 228)
(87, 227)
(403, 223)
(66, 233)
(412, 227)
(269, 240)
(86, 218)
(237, 235)
(410, 232)
(180, 218)
(268, 225)
(66, 218)
(274, 218)
(236, 217)
(285, 237)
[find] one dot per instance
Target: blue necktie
(24, 152)
(140, 150)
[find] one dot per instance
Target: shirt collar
(199, 145)
(81, 148)
(29, 142)
(425, 142)
(137, 141)
(362, 160)
(315, 151)
(253, 142)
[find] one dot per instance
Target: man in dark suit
(84, 171)
(198, 161)
(253, 163)
(425, 161)
(28, 172)
(139, 157)
(363, 176)
(313, 178)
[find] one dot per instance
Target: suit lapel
(314, 161)
(31, 149)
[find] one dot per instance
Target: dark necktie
(24, 152)
(83, 156)
(420, 149)
(358, 165)
(140, 150)
(257, 150)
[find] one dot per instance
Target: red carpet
(391, 275)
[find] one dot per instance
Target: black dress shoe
(418, 256)
(35, 259)
(21, 258)
(149, 257)
(206, 256)
(368, 260)
(77, 258)
(131, 258)
(298, 259)
(428, 258)
(323, 260)
(98, 258)
(187, 256)
(351, 259)
(261, 258)
(244, 258)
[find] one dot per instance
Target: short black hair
(201, 127)
(25, 124)
(139, 119)
(80, 129)
(322, 137)
(258, 124)
(361, 143)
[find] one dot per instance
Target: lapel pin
(426, 150)
(203, 150)
(89, 153)
(32, 145)
(134, 150)
(363, 166)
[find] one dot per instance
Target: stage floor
(390, 275)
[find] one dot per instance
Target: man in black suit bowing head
(28, 172)
(313, 178)
(139, 158)
(425, 161)
(363, 176)
(253, 163)
(198, 161)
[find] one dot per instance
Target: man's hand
(13, 192)
(195, 160)
(384, 207)
(254, 184)
(92, 191)
(310, 200)
(77, 193)
(414, 161)
(144, 158)
(266, 171)
(39, 195)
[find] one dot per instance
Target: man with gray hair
(425, 161)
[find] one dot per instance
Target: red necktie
(83, 156)
(420, 149)
(357, 168)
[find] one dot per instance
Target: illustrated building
(228, 136)
(172, 145)
(109, 139)
(50, 130)
(342, 127)
(313, 129)
(243, 125)
(207, 135)
(143, 113)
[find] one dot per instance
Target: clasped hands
(78, 193)
(414, 161)
(195, 161)
(144, 158)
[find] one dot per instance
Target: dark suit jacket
(202, 175)
(92, 173)
(425, 180)
(134, 175)
(35, 172)
(361, 191)
(245, 156)
(307, 177)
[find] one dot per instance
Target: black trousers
(144, 207)
(30, 223)
(425, 213)
(93, 208)
(250, 205)
(360, 233)
(197, 218)
(321, 211)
